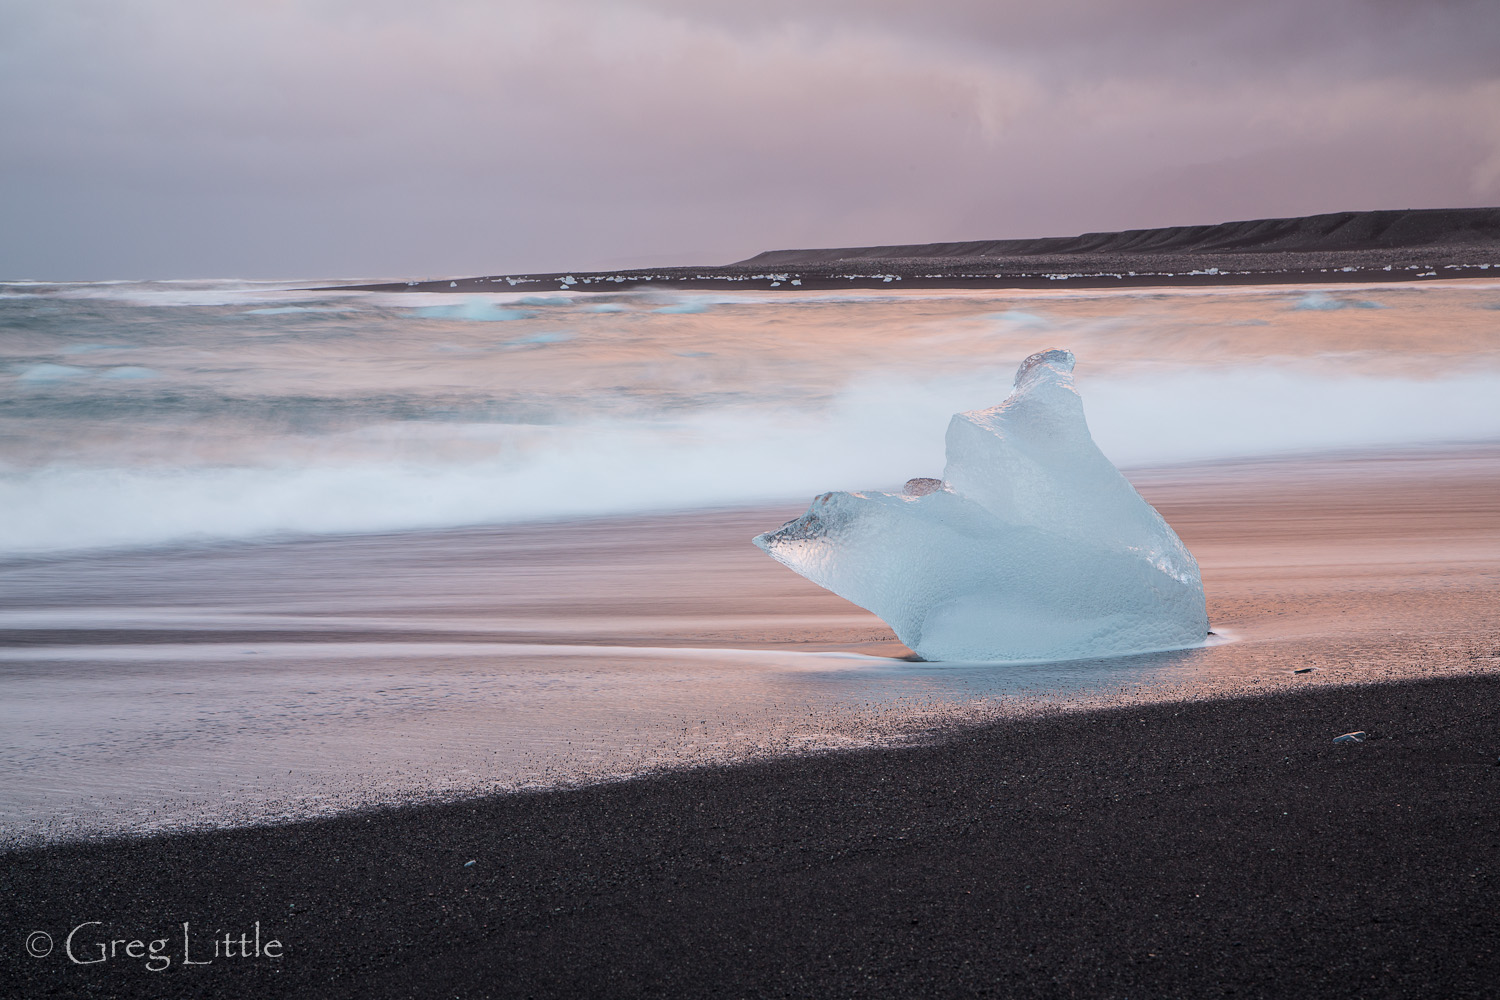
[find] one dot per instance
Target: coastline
(1371, 246)
(967, 275)
(1182, 849)
(1180, 825)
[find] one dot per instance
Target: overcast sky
(344, 138)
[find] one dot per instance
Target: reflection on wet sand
(242, 683)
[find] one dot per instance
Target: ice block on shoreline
(1032, 547)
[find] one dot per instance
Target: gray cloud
(171, 138)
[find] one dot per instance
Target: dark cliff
(1335, 232)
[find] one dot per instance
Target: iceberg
(1031, 547)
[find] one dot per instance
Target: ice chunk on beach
(1031, 547)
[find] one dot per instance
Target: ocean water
(163, 412)
(267, 552)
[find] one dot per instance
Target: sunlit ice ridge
(148, 413)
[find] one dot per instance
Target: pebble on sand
(1357, 737)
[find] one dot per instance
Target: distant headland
(1398, 245)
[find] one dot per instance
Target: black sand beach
(1224, 848)
(1208, 847)
(1167, 848)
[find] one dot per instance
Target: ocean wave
(252, 409)
(874, 435)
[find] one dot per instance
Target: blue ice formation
(1323, 302)
(1031, 547)
(476, 309)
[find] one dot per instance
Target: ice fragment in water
(1031, 547)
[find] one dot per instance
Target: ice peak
(1055, 363)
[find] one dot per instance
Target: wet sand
(1291, 548)
(242, 684)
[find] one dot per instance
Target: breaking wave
(708, 458)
